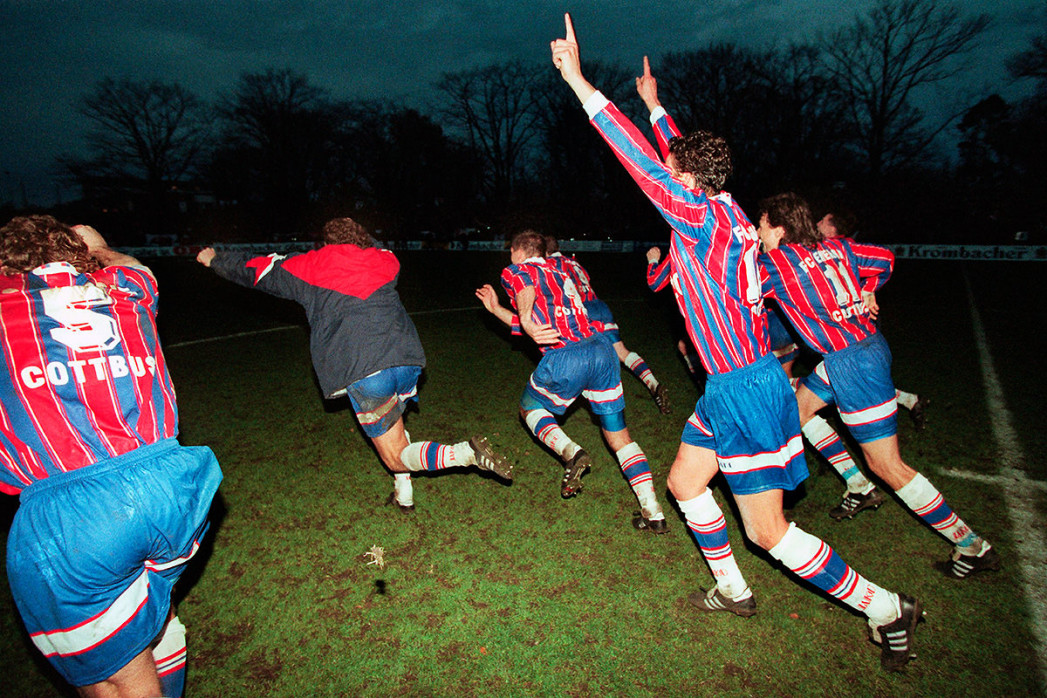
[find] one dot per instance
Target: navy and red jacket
(357, 323)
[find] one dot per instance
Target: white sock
(403, 489)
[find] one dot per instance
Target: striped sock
(169, 656)
(815, 561)
(543, 425)
(824, 438)
(927, 503)
(634, 466)
(429, 455)
(707, 525)
(639, 367)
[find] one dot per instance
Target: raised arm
(567, 61)
(106, 256)
(647, 87)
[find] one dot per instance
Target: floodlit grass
(508, 590)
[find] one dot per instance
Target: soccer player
(362, 342)
(112, 507)
(746, 425)
(827, 288)
(577, 359)
(841, 224)
(861, 493)
(598, 310)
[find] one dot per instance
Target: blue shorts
(381, 398)
(782, 343)
(94, 553)
(858, 381)
(750, 418)
(588, 368)
(596, 309)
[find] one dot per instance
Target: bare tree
(1031, 63)
(882, 58)
(494, 109)
(144, 136)
(277, 129)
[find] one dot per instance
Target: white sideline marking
(1019, 493)
(281, 328)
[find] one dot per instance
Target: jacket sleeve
(264, 273)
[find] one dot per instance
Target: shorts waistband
(744, 372)
(100, 468)
(872, 339)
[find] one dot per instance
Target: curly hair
(27, 242)
(530, 241)
(551, 244)
(346, 231)
(704, 155)
(791, 212)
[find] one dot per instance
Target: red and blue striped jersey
(577, 273)
(658, 274)
(556, 302)
(85, 378)
(714, 247)
(820, 289)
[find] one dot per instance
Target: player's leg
(635, 363)
(136, 679)
(916, 406)
(380, 400)
(689, 477)
(402, 456)
(971, 552)
(813, 394)
(637, 472)
(892, 619)
(169, 657)
(554, 385)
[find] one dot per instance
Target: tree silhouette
(277, 133)
(881, 59)
(493, 109)
(144, 137)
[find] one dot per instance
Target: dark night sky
(54, 51)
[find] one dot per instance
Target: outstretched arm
(489, 297)
(567, 61)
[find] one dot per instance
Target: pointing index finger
(570, 27)
(646, 67)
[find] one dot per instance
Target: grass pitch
(500, 590)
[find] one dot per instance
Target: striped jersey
(820, 289)
(713, 249)
(574, 269)
(658, 274)
(557, 302)
(85, 378)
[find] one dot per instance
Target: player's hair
(26, 242)
(551, 244)
(346, 231)
(704, 155)
(792, 213)
(530, 241)
(845, 221)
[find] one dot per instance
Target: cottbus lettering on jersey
(81, 371)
